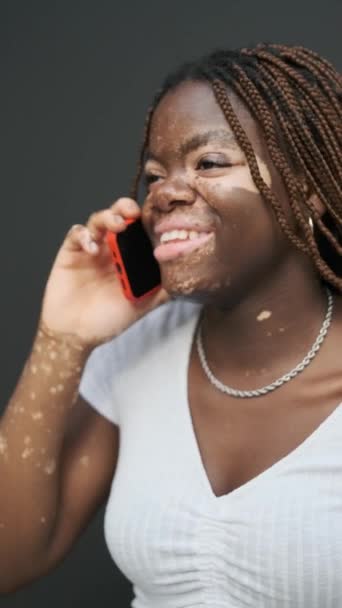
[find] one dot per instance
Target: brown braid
(298, 151)
(311, 246)
(334, 76)
(315, 157)
(247, 89)
(317, 70)
(310, 88)
(295, 95)
(310, 162)
(223, 101)
(281, 85)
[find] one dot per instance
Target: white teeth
(193, 235)
(182, 235)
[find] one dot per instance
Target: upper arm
(88, 464)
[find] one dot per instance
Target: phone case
(120, 269)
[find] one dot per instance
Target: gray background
(76, 80)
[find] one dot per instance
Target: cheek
(238, 179)
(241, 211)
(242, 178)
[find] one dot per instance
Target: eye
(210, 163)
(150, 178)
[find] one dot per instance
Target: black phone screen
(137, 254)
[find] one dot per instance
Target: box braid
(295, 95)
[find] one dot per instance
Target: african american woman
(208, 416)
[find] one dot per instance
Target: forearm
(32, 431)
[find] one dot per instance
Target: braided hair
(295, 96)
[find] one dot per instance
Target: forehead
(191, 109)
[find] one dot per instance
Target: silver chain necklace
(277, 383)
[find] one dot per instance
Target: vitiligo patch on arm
(33, 426)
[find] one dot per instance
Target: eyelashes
(208, 164)
(150, 178)
(203, 165)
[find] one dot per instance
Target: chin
(196, 287)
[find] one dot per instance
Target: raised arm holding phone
(47, 428)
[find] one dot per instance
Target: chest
(238, 439)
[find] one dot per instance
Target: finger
(127, 207)
(112, 218)
(78, 238)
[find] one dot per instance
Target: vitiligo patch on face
(50, 467)
(27, 452)
(3, 444)
(17, 408)
(190, 283)
(247, 182)
(264, 315)
(46, 368)
(37, 415)
(84, 460)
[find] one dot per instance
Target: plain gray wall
(76, 80)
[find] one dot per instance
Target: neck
(267, 333)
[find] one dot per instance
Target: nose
(173, 192)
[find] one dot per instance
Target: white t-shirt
(274, 542)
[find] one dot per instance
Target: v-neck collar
(190, 330)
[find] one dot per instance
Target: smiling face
(198, 179)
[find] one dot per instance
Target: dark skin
(262, 300)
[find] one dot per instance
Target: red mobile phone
(135, 264)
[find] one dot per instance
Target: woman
(225, 388)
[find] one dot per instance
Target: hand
(83, 295)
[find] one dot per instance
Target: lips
(174, 249)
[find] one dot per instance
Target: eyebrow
(222, 136)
